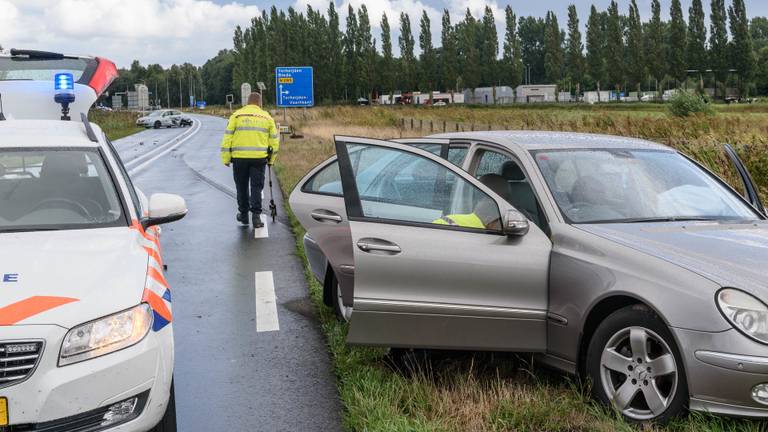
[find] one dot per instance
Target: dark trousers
(249, 173)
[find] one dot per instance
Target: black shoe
(257, 223)
(243, 219)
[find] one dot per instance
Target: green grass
(116, 124)
(433, 391)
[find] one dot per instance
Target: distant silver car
(618, 259)
(164, 118)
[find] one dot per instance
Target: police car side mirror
(165, 208)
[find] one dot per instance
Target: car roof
(543, 140)
(46, 133)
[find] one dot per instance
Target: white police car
(86, 341)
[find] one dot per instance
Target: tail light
(105, 74)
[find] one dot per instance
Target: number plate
(3, 411)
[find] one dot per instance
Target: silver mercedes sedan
(618, 259)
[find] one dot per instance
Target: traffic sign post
(294, 87)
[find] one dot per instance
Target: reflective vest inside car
(250, 133)
(470, 220)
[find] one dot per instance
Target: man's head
(254, 99)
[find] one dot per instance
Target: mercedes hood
(729, 254)
(69, 277)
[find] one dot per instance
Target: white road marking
(266, 303)
(147, 159)
(262, 232)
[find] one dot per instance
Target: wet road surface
(236, 369)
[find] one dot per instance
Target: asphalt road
(246, 360)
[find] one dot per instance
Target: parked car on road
(164, 118)
(618, 259)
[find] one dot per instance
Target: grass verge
(438, 391)
(116, 124)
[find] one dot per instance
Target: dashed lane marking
(266, 303)
(261, 233)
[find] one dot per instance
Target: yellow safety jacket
(463, 220)
(250, 133)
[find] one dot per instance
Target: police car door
(426, 274)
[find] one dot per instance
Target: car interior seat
(520, 191)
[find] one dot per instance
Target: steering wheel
(53, 202)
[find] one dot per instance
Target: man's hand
(226, 164)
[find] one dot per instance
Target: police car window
(39, 70)
(48, 189)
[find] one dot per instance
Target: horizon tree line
(620, 51)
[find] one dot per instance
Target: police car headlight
(106, 335)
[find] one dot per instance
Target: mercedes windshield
(624, 185)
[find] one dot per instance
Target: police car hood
(69, 277)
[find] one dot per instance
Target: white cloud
(153, 31)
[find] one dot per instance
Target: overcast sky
(178, 31)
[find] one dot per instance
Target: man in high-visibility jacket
(250, 142)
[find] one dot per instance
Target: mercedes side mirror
(516, 224)
(165, 208)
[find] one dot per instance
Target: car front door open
(432, 265)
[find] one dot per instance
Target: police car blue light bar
(64, 83)
(64, 86)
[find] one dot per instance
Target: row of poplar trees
(619, 52)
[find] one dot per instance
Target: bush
(685, 103)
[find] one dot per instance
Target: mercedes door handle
(374, 245)
(326, 216)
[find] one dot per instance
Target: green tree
(697, 39)
(758, 29)
(511, 64)
(614, 46)
(387, 61)
(635, 53)
(467, 36)
(677, 43)
(366, 53)
(449, 57)
(488, 49)
(553, 49)
(217, 76)
(574, 54)
(427, 72)
(351, 59)
(531, 31)
(335, 53)
(654, 44)
(761, 73)
(718, 44)
(743, 57)
(407, 57)
(596, 47)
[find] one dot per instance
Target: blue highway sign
(294, 87)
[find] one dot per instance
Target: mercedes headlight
(106, 335)
(745, 312)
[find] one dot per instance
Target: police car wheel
(168, 423)
(157, 125)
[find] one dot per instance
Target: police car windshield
(51, 189)
(23, 68)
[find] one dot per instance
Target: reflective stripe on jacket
(463, 220)
(250, 133)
